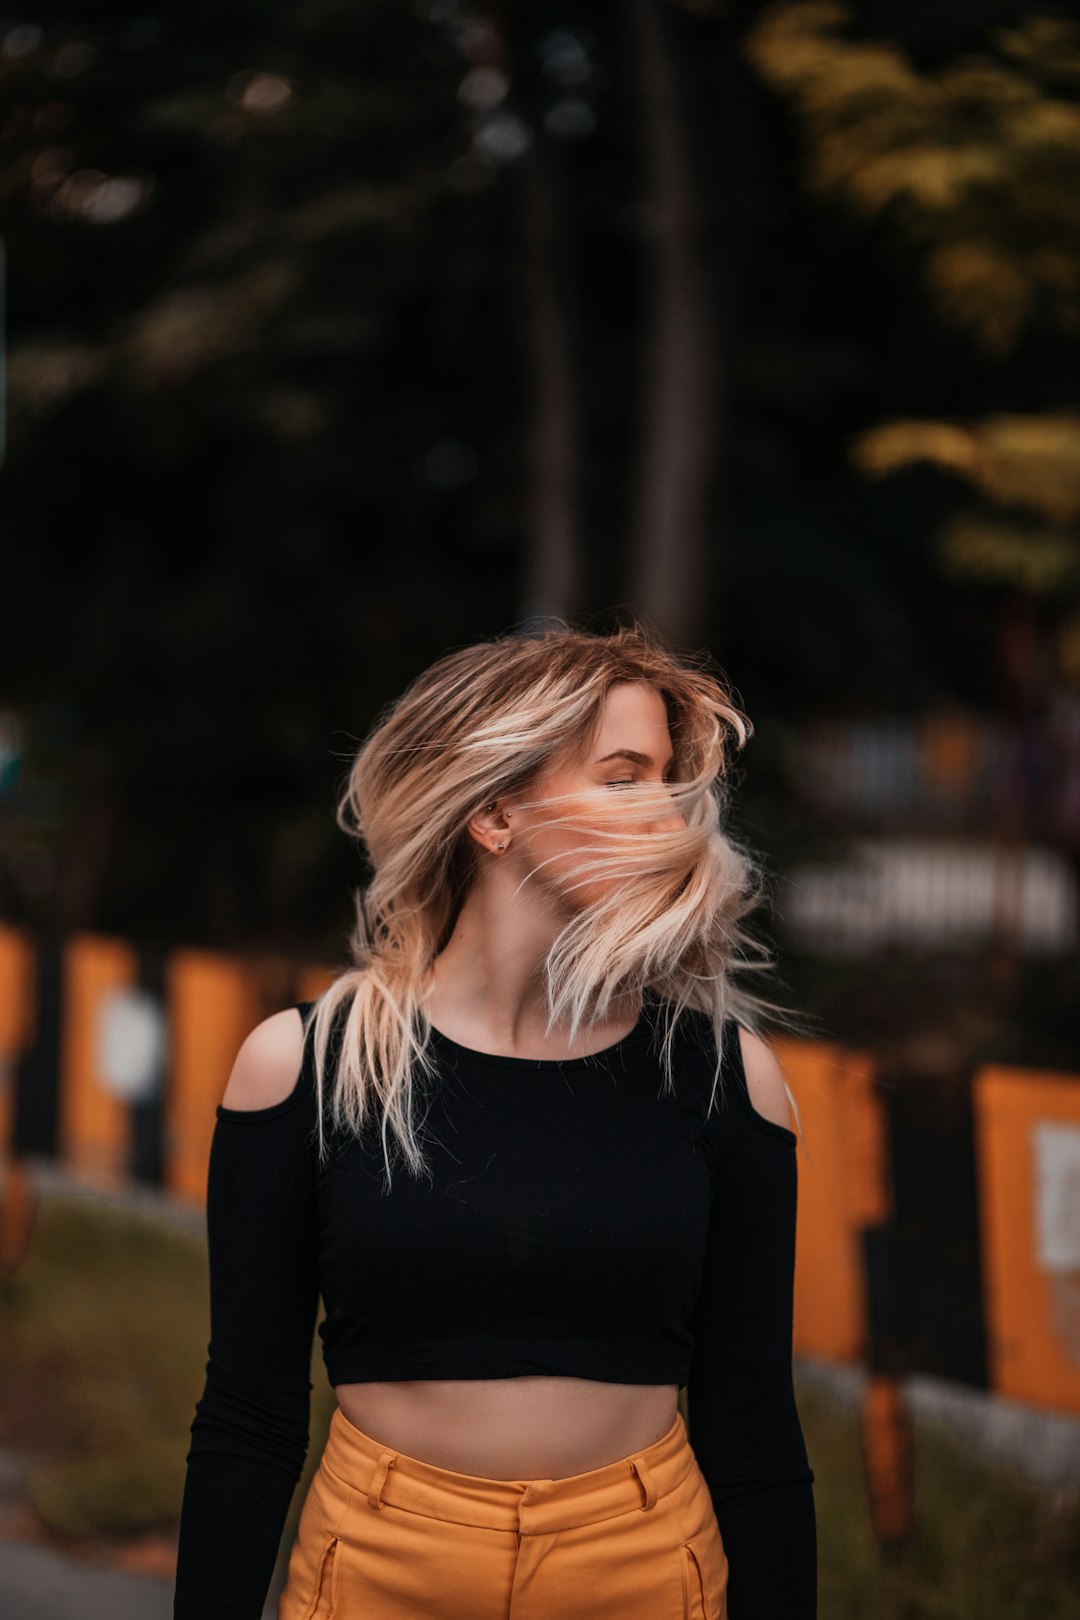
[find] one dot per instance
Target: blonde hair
(485, 723)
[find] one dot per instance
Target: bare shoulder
(765, 1079)
(268, 1063)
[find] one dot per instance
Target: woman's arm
(249, 1437)
(743, 1423)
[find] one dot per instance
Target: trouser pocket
(704, 1583)
(321, 1606)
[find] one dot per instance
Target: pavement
(39, 1582)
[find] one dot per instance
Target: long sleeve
(250, 1434)
(743, 1422)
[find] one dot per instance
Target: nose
(676, 822)
(671, 824)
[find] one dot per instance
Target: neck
(488, 980)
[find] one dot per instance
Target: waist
(511, 1428)
(387, 1475)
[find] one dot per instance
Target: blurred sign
(130, 1044)
(923, 891)
(1028, 1147)
(1057, 1183)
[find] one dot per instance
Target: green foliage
(103, 1340)
(1026, 533)
(975, 162)
(104, 1337)
(970, 167)
(129, 1484)
(987, 1541)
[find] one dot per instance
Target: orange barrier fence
(78, 1117)
(214, 1000)
(213, 1003)
(845, 1216)
(17, 1018)
(94, 1125)
(840, 1164)
(1029, 1174)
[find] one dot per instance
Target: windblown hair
(489, 722)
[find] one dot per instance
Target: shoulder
(268, 1064)
(755, 1070)
(765, 1084)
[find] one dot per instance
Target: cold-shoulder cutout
(764, 1095)
(268, 1069)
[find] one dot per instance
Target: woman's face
(632, 746)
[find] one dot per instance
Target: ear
(490, 828)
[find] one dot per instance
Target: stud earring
(500, 846)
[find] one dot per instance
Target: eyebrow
(638, 759)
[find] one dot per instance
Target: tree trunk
(669, 569)
(552, 581)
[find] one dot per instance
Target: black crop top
(581, 1222)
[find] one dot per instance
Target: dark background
(343, 334)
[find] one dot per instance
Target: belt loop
(639, 1467)
(378, 1479)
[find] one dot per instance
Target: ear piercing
(491, 806)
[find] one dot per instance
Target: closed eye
(631, 781)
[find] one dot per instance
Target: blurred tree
(671, 538)
(344, 333)
(506, 87)
(971, 166)
(1026, 530)
(974, 167)
(222, 314)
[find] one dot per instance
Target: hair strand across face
(665, 914)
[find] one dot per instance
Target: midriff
(512, 1428)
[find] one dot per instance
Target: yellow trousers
(386, 1536)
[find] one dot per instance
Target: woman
(596, 1200)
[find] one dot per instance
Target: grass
(102, 1352)
(102, 1341)
(988, 1544)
